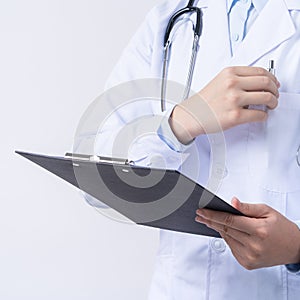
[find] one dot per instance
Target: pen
(271, 68)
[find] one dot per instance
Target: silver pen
(271, 67)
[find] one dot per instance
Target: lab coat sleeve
(159, 148)
(167, 135)
(137, 62)
(136, 58)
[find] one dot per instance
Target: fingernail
(199, 212)
(238, 201)
(199, 219)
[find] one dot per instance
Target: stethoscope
(189, 9)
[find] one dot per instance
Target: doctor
(259, 255)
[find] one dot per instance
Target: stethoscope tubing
(190, 9)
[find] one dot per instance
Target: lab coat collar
(258, 4)
(272, 27)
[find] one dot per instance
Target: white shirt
(242, 14)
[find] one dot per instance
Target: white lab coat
(260, 159)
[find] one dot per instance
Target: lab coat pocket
(273, 147)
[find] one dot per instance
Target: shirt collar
(258, 4)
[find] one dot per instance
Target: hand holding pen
(223, 102)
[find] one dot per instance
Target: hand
(262, 238)
(223, 103)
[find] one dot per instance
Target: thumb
(250, 210)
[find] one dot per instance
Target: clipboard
(159, 198)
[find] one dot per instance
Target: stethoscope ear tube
(191, 3)
(187, 10)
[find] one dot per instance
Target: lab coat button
(218, 245)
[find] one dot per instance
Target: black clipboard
(158, 198)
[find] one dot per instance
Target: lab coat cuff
(167, 135)
(294, 268)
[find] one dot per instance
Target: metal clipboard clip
(99, 159)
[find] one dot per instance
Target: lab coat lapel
(272, 27)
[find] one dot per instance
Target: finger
(235, 202)
(259, 98)
(241, 223)
(251, 210)
(258, 83)
(252, 71)
(238, 235)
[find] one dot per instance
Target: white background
(55, 56)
